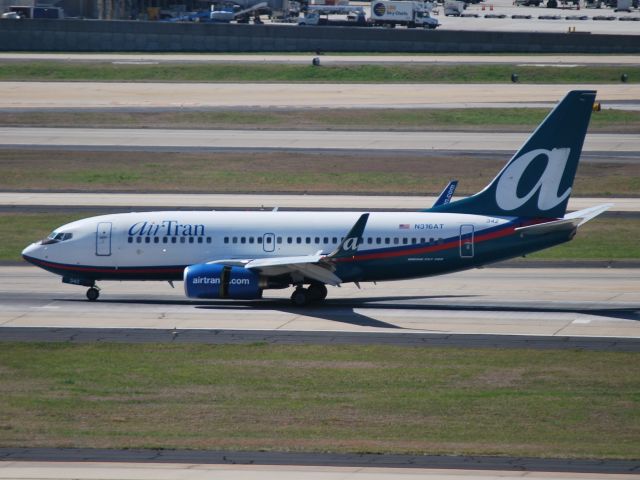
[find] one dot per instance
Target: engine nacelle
(220, 281)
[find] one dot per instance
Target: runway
(131, 201)
(131, 95)
(524, 302)
(150, 139)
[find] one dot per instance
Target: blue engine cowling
(220, 281)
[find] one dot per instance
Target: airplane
(238, 255)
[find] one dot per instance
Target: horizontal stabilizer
(549, 227)
(588, 213)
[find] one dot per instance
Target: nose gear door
(103, 239)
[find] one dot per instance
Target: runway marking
(581, 320)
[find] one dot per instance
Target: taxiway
(130, 95)
(318, 140)
(169, 201)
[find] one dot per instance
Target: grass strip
(593, 242)
(261, 72)
(270, 172)
(475, 119)
(322, 399)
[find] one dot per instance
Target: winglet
(349, 246)
(447, 194)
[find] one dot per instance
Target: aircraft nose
(31, 251)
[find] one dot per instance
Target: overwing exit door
(269, 242)
(103, 239)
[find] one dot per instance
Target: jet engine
(206, 280)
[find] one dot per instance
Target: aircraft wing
(317, 267)
(310, 266)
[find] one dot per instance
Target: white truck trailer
(410, 14)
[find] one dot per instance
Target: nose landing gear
(93, 293)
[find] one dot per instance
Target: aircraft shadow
(343, 310)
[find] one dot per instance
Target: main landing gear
(303, 296)
(93, 293)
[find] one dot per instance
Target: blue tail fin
(538, 179)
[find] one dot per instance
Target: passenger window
(130, 239)
(259, 240)
(326, 240)
(268, 240)
(191, 240)
(183, 239)
(396, 240)
(335, 240)
(156, 239)
(369, 240)
(289, 240)
(431, 242)
(226, 239)
(378, 240)
(317, 240)
(250, 239)
(208, 239)
(235, 239)
(279, 240)
(298, 239)
(199, 239)
(387, 240)
(308, 239)
(414, 241)
(243, 240)
(405, 240)
(174, 239)
(138, 239)
(165, 239)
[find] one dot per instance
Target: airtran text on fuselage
(169, 228)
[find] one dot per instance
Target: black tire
(300, 297)
(318, 291)
(92, 294)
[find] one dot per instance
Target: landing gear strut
(93, 293)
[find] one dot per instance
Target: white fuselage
(188, 237)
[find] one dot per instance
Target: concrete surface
(151, 471)
(547, 302)
(284, 139)
(91, 95)
(131, 201)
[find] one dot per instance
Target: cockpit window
(55, 237)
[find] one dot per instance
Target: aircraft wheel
(300, 297)
(92, 294)
(318, 291)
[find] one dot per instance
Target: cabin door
(466, 241)
(103, 239)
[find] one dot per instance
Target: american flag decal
(404, 226)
